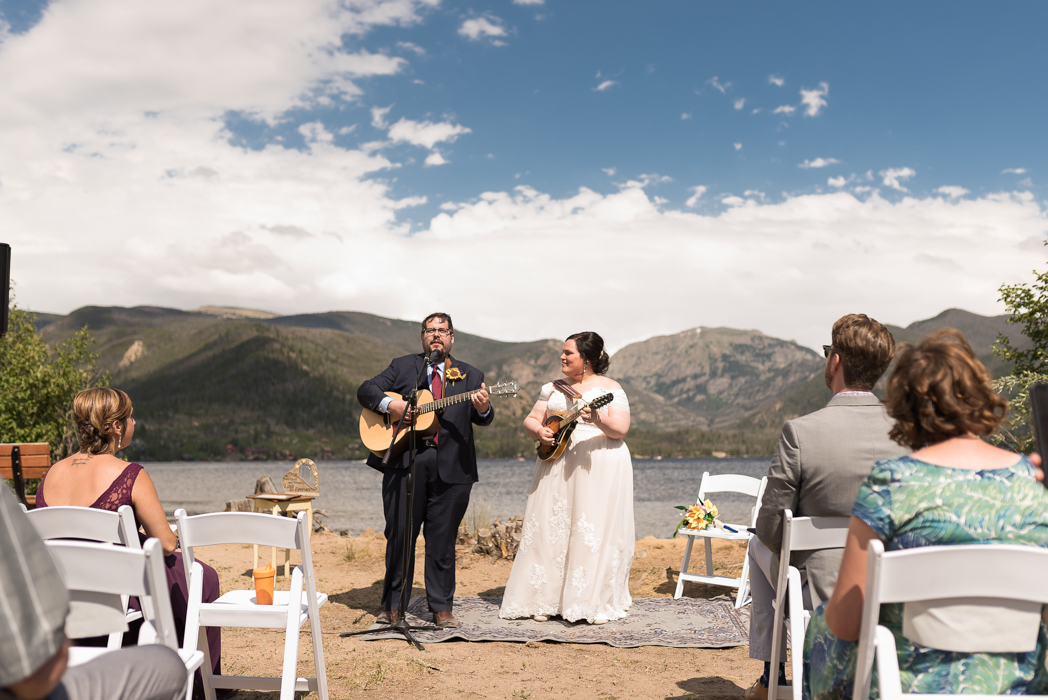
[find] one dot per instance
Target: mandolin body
(549, 453)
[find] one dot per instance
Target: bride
(576, 547)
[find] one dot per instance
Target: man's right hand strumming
(397, 407)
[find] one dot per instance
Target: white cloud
(685, 116)
(480, 28)
(738, 146)
(528, 2)
(408, 46)
(718, 85)
(784, 109)
(1013, 171)
(814, 100)
(818, 163)
(952, 191)
(776, 80)
(645, 180)
(609, 171)
(892, 177)
(435, 158)
(425, 133)
(378, 117)
(838, 182)
(756, 110)
(696, 195)
(740, 103)
(604, 85)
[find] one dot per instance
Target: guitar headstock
(602, 401)
(510, 388)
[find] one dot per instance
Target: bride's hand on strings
(546, 435)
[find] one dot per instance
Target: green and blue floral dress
(910, 503)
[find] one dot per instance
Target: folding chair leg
(318, 650)
(709, 555)
(744, 583)
(683, 568)
(797, 628)
(205, 668)
(289, 671)
(778, 628)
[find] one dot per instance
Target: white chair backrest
(241, 528)
(986, 573)
(98, 572)
(804, 534)
(737, 483)
(56, 522)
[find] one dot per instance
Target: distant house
(254, 453)
(326, 453)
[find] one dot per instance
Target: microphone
(433, 357)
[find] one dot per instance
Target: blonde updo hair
(97, 411)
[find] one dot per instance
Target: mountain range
(225, 383)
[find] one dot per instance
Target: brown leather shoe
(388, 617)
(757, 691)
(444, 618)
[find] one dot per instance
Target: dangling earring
(120, 442)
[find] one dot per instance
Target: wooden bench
(21, 461)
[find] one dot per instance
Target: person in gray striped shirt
(34, 650)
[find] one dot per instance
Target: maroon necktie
(438, 394)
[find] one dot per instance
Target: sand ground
(350, 571)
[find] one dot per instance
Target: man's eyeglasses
(442, 332)
(827, 350)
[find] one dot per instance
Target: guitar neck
(447, 401)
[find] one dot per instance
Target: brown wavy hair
(97, 411)
(939, 390)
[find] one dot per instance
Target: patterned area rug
(688, 622)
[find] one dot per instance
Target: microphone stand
(401, 626)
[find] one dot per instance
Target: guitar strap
(566, 389)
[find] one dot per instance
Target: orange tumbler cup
(264, 577)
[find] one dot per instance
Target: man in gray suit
(818, 465)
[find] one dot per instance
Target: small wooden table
(283, 504)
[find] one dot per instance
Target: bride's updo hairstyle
(939, 390)
(591, 347)
(97, 411)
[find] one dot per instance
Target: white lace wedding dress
(577, 544)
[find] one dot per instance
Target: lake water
(351, 492)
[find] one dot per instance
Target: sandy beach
(350, 571)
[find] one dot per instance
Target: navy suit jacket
(455, 454)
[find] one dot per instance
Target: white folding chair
(95, 524)
(1010, 574)
(99, 576)
(290, 609)
(798, 535)
(735, 483)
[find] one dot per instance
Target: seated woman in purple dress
(94, 477)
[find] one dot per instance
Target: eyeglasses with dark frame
(827, 350)
(442, 332)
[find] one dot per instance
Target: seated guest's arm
(784, 480)
(844, 611)
(150, 513)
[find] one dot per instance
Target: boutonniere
(453, 374)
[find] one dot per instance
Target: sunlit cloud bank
(130, 191)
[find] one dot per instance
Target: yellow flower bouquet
(698, 517)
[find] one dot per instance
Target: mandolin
(565, 426)
(376, 429)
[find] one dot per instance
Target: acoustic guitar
(376, 429)
(565, 426)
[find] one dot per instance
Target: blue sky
(662, 165)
